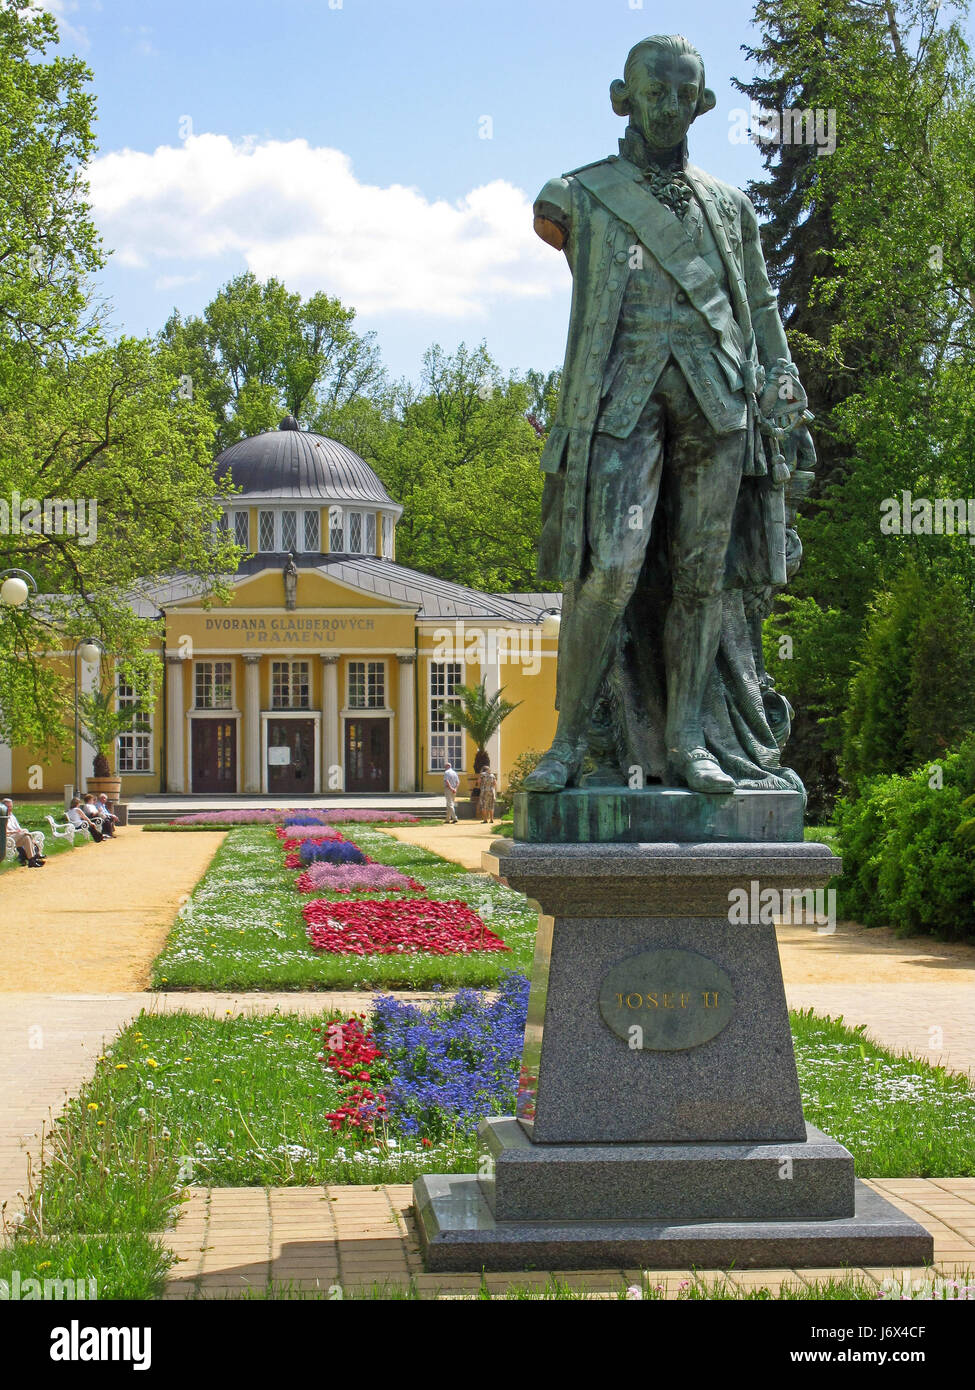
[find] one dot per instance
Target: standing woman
(488, 788)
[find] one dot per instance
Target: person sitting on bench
(106, 813)
(78, 819)
(28, 849)
(100, 815)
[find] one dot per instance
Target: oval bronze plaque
(678, 999)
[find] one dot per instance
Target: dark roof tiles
(293, 463)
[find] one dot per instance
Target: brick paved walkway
(933, 1021)
(338, 1240)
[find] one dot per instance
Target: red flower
(403, 927)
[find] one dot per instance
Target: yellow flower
(100, 1123)
(187, 1059)
(164, 979)
(277, 924)
(151, 1062)
(103, 1057)
(93, 1105)
(121, 1066)
(45, 1264)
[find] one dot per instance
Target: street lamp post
(89, 649)
(551, 621)
(15, 590)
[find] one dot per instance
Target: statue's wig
(673, 43)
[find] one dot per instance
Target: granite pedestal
(659, 1121)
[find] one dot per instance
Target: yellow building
(327, 669)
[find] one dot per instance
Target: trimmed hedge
(905, 864)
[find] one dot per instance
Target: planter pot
(111, 786)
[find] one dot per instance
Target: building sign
(287, 630)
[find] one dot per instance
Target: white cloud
(175, 282)
(60, 9)
(298, 212)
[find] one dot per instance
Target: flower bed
(271, 816)
(244, 929)
(355, 878)
(330, 852)
(441, 1070)
(350, 1052)
(403, 927)
(292, 835)
(448, 1067)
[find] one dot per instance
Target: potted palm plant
(101, 723)
(481, 714)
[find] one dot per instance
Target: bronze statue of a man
(668, 500)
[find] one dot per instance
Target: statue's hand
(799, 449)
(783, 397)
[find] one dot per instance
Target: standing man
(450, 784)
(28, 849)
(676, 358)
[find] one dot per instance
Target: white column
(491, 673)
(252, 722)
(175, 772)
(331, 753)
(406, 725)
(6, 769)
(89, 683)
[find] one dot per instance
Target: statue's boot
(700, 771)
(554, 770)
(590, 632)
(691, 635)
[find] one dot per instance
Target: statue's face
(663, 96)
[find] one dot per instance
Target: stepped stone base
(459, 1232)
(812, 1179)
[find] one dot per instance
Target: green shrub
(912, 695)
(905, 864)
(524, 764)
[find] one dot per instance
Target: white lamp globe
(14, 591)
(90, 652)
(551, 624)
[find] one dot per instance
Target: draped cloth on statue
(741, 714)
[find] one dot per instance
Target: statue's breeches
(672, 458)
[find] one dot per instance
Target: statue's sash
(663, 235)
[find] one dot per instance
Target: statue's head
(662, 89)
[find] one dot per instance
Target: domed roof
(293, 463)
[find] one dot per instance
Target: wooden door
(291, 755)
(214, 753)
(367, 755)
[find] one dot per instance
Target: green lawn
(243, 929)
(182, 1099)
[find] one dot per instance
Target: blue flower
(447, 1067)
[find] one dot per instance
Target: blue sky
(341, 146)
